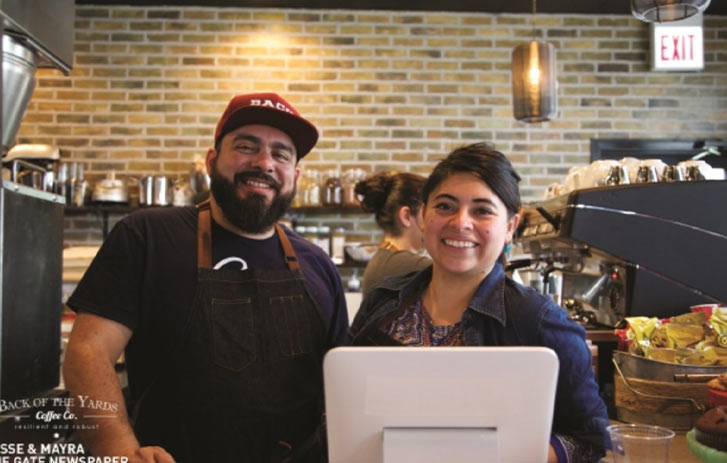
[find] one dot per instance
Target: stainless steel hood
(47, 25)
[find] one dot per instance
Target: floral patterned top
(414, 327)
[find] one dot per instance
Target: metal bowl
(361, 252)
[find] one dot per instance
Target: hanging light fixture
(534, 94)
(667, 10)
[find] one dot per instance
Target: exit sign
(677, 46)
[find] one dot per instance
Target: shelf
(110, 208)
(125, 209)
(352, 264)
(100, 208)
(103, 209)
(327, 209)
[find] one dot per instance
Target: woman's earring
(508, 246)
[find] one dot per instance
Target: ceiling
(717, 7)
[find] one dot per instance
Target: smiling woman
(465, 299)
(466, 226)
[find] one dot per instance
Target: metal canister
(647, 174)
(146, 191)
(617, 175)
(675, 173)
(162, 196)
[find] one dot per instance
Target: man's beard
(251, 214)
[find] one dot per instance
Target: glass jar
(332, 189)
(338, 241)
(310, 188)
(350, 178)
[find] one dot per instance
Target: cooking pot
(162, 196)
(111, 190)
(31, 174)
(155, 191)
(146, 191)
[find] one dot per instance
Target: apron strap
(290, 258)
(204, 235)
(204, 240)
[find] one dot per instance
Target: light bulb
(534, 76)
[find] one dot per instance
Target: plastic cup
(640, 443)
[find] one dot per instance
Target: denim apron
(245, 383)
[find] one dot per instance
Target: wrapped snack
(660, 337)
(640, 331)
(720, 355)
(684, 335)
(718, 320)
(685, 339)
(705, 343)
(710, 355)
(661, 354)
(693, 318)
(702, 357)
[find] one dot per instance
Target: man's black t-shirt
(144, 277)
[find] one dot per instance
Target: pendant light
(667, 10)
(534, 94)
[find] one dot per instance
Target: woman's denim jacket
(505, 313)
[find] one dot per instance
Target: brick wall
(389, 90)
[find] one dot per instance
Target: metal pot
(111, 190)
(155, 191)
(19, 63)
(30, 174)
(162, 191)
(635, 366)
(146, 191)
(653, 392)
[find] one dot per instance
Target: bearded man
(223, 315)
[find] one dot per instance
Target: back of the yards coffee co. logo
(57, 409)
(40, 420)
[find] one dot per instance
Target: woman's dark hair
(385, 193)
(481, 160)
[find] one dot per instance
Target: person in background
(470, 213)
(224, 316)
(396, 201)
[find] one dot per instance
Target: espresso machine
(642, 249)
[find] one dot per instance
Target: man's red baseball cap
(268, 109)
